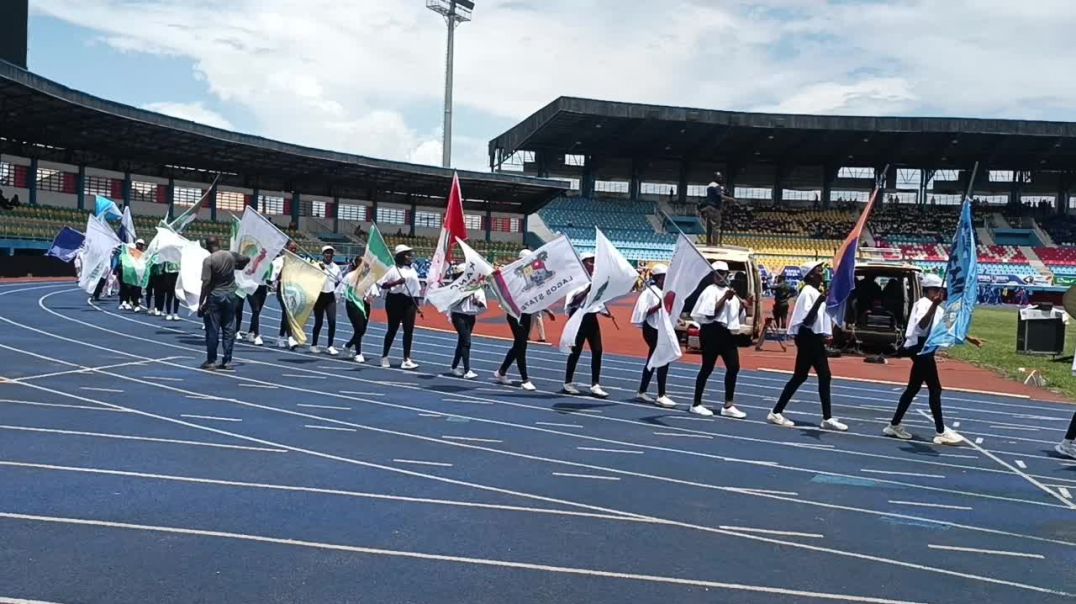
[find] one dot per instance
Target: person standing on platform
(811, 327)
(463, 317)
(645, 315)
(325, 306)
(590, 333)
(216, 304)
(402, 288)
(719, 313)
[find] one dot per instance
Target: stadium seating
(914, 224)
(625, 223)
(1057, 256)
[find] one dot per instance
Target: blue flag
(962, 276)
(107, 209)
(66, 245)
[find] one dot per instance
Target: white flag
(166, 246)
(613, 277)
(189, 281)
(96, 253)
(540, 280)
(259, 240)
(686, 271)
(127, 228)
(668, 348)
(475, 274)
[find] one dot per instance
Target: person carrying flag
(521, 329)
(165, 300)
(463, 319)
(924, 318)
(718, 312)
(645, 315)
(358, 316)
(217, 300)
(1067, 446)
(590, 332)
(284, 337)
(811, 326)
(131, 293)
(326, 302)
(402, 289)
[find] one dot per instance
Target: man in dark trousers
(711, 209)
(782, 293)
(218, 302)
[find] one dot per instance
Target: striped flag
(375, 263)
(843, 283)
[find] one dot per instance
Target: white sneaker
(502, 379)
(385, 362)
(408, 364)
(528, 386)
(138, 308)
(470, 375)
(360, 359)
(175, 317)
(897, 431)
(732, 412)
(457, 371)
(644, 397)
(701, 410)
(292, 342)
(257, 341)
(314, 349)
(124, 306)
(1066, 448)
(596, 390)
(281, 342)
(332, 351)
(780, 420)
(664, 401)
(833, 424)
(251, 336)
(949, 437)
(569, 389)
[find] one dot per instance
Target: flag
(66, 244)
(133, 263)
(376, 261)
(452, 229)
(543, 278)
(233, 234)
(96, 253)
(127, 228)
(962, 280)
(687, 268)
(668, 347)
(260, 240)
(106, 209)
(843, 282)
(179, 223)
(189, 281)
(301, 284)
(613, 277)
(167, 246)
(475, 273)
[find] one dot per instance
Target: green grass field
(998, 328)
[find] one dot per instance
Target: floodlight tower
(454, 12)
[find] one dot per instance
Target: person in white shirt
(590, 332)
(645, 315)
(325, 305)
(811, 327)
(463, 319)
(402, 289)
(719, 313)
(359, 317)
(284, 337)
(521, 329)
(921, 323)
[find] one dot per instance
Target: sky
(367, 76)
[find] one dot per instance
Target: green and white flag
(375, 264)
(135, 266)
(258, 239)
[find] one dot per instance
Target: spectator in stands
(216, 304)
(645, 315)
(9, 204)
(590, 333)
(325, 306)
(402, 289)
(463, 319)
(719, 313)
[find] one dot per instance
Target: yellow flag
(301, 283)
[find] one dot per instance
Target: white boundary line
(890, 383)
(772, 532)
(992, 552)
(931, 505)
(140, 438)
(592, 476)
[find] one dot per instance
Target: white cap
(140, 240)
(931, 280)
(586, 256)
(659, 269)
(459, 268)
(524, 253)
(327, 248)
(719, 265)
(399, 249)
(810, 266)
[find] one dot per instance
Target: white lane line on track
(469, 439)
(1020, 464)
(682, 435)
(430, 415)
(142, 438)
(1064, 492)
(602, 450)
(465, 401)
(266, 386)
(991, 552)
(95, 389)
(911, 474)
(161, 378)
(336, 428)
(61, 405)
(979, 440)
(556, 425)
(303, 377)
(420, 462)
(931, 505)
(772, 532)
(356, 393)
(591, 476)
(1025, 429)
(211, 417)
(333, 407)
(769, 492)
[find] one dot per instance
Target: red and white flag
(452, 228)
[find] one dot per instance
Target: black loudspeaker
(14, 16)
(1040, 336)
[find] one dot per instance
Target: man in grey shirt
(218, 302)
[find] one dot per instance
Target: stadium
(127, 474)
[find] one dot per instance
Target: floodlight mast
(454, 12)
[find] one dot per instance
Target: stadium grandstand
(800, 181)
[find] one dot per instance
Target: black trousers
(1071, 434)
(256, 301)
(165, 299)
(285, 326)
(401, 310)
(100, 287)
(464, 325)
(590, 332)
(131, 294)
(325, 306)
(924, 371)
(151, 289)
(220, 327)
(810, 353)
(650, 336)
(717, 342)
(517, 354)
(358, 325)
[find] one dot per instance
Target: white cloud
(362, 76)
(195, 112)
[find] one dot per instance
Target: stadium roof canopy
(614, 130)
(43, 119)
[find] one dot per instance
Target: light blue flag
(962, 277)
(106, 209)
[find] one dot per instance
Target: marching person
(165, 299)
(521, 329)
(358, 317)
(645, 315)
(925, 316)
(402, 289)
(326, 302)
(719, 313)
(1067, 446)
(811, 327)
(284, 337)
(134, 290)
(463, 316)
(152, 285)
(589, 332)
(256, 302)
(216, 304)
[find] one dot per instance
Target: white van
(745, 278)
